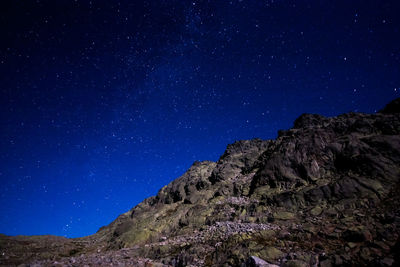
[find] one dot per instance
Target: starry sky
(104, 102)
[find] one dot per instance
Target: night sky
(104, 102)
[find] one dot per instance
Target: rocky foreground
(324, 193)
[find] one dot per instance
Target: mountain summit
(324, 193)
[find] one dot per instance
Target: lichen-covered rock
(324, 193)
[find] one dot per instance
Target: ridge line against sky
(102, 103)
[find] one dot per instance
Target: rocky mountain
(324, 193)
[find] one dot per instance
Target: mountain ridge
(323, 193)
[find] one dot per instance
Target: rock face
(324, 193)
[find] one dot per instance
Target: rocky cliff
(324, 193)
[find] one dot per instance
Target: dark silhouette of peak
(393, 107)
(308, 120)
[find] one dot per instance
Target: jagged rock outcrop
(324, 193)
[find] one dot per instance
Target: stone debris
(255, 261)
(324, 193)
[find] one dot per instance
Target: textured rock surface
(324, 193)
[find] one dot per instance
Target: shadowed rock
(324, 193)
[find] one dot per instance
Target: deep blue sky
(104, 102)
